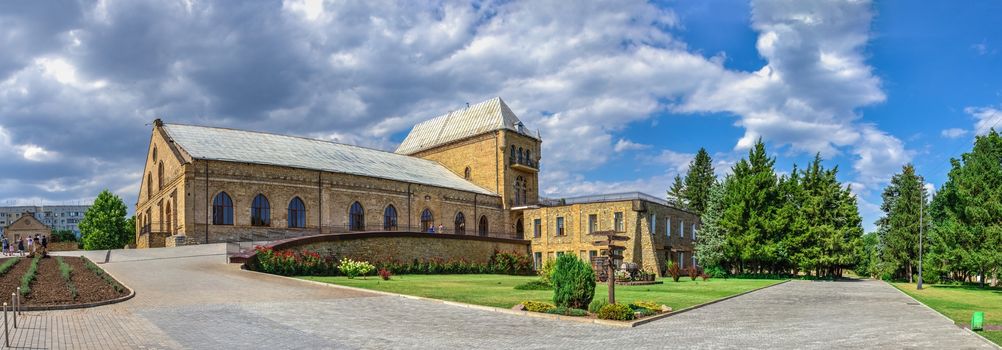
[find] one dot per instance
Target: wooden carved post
(611, 258)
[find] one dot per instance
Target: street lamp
(921, 222)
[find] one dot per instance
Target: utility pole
(921, 223)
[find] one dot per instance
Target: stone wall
(645, 248)
(151, 240)
(407, 246)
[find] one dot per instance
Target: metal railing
(611, 197)
(527, 162)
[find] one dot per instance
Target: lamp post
(921, 222)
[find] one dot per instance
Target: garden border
(132, 293)
(625, 324)
(944, 316)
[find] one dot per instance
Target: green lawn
(959, 302)
(498, 290)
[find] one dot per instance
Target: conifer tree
(676, 194)
(698, 181)
(899, 227)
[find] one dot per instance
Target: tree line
(961, 226)
(757, 221)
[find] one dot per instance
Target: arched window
(297, 213)
(520, 191)
(160, 176)
(466, 174)
(149, 185)
(528, 156)
(460, 224)
(390, 218)
(168, 218)
(483, 226)
(154, 154)
(519, 230)
(260, 211)
(356, 217)
(520, 156)
(511, 157)
(222, 209)
(427, 221)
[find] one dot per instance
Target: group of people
(34, 244)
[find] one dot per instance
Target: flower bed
(311, 263)
(69, 282)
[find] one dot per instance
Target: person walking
(31, 245)
(5, 247)
(20, 246)
(45, 244)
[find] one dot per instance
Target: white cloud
(627, 145)
(987, 118)
(953, 133)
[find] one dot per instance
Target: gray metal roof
(476, 119)
(211, 143)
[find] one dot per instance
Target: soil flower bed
(50, 287)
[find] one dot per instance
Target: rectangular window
(654, 223)
(538, 260)
(694, 231)
(618, 222)
(560, 226)
(592, 223)
(559, 254)
(668, 227)
(604, 252)
(681, 228)
(694, 260)
(681, 260)
(537, 226)
(592, 253)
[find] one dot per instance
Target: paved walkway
(188, 298)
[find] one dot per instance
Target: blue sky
(623, 92)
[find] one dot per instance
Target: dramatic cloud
(79, 84)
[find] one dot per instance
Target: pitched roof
(222, 144)
(477, 119)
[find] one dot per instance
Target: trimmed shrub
(646, 304)
(573, 282)
(567, 311)
(534, 285)
(597, 304)
(617, 312)
(693, 272)
(537, 306)
(673, 270)
(644, 312)
(716, 272)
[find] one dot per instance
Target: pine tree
(711, 250)
(104, 225)
(751, 199)
(676, 194)
(899, 227)
(967, 209)
(698, 181)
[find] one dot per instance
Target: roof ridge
(282, 135)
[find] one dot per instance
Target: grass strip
(67, 272)
(7, 265)
(100, 273)
(29, 276)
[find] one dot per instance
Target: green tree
(867, 257)
(698, 181)
(711, 244)
(104, 225)
(968, 213)
(676, 194)
(751, 199)
(903, 199)
(573, 282)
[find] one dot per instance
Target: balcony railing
(523, 162)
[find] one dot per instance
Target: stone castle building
(472, 171)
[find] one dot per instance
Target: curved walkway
(188, 298)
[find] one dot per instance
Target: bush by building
(573, 282)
